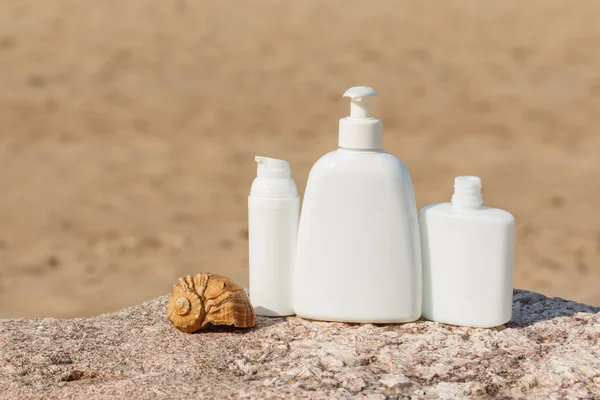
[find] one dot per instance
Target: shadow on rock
(530, 308)
(261, 323)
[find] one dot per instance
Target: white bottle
(358, 257)
(273, 212)
(468, 255)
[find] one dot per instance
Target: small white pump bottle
(468, 255)
(273, 212)
(358, 257)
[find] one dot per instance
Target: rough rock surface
(550, 349)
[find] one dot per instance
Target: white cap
(273, 179)
(272, 168)
(467, 192)
(360, 130)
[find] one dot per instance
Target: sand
(128, 131)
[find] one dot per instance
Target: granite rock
(549, 350)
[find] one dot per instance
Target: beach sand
(128, 131)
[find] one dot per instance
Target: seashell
(206, 298)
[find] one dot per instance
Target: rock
(550, 349)
(395, 381)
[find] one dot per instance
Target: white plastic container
(468, 256)
(358, 257)
(273, 212)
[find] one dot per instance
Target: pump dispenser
(358, 257)
(468, 255)
(360, 130)
(273, 210)
(272, 168)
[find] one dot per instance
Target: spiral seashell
(206, 298)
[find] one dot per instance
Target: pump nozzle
(360, 131)
(360, 105)
(272, 167)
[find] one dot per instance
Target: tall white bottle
(273, 211)
(358, 257)
(468, 255)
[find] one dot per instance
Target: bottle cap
(272, 168)
(273, 179)
(360, 130)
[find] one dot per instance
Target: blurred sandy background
(128, 130)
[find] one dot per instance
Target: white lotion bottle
(358, 257)
(273, 212)
(468, 257)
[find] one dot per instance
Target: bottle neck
(360, 133)
(467, 192)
